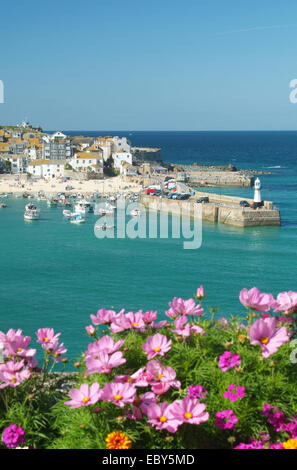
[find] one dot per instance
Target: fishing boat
(31, 212)
(77, 219)
(3, 205)
(67, 213)
(52, 202)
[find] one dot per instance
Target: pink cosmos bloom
(13, 379)
(189, 410)
(104, 344)
(149, 317)
(140, 378)
(198, 330)
(15, 344)
(84, 396)
(161, 417)
(47, 338)
(104, 363)
(182, 327)
(56, 350)
(119, 393)
(13, 436)
(200, 293)
(146, 400)
(254, 299)
(265, 333)
(228, 361)
(286, 302)
(90, 330)
(162, 378)
(128, 321)
(12, 366)
(178, 307)
(158, 325)
(103, 316)
(226, 419)
(156, 345)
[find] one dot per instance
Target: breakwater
(219, 209)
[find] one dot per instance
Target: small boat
(52, 202)
(67, 213)
(31, 215)
(3, 205)
(77, 219)
(30, 207)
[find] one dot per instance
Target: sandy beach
(108, 185)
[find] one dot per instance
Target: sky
(149, 65)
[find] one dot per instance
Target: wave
(277, 166)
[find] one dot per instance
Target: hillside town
(28, 150)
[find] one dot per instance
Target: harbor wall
(216, 213)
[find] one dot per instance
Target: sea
(55, 274)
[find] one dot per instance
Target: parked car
(183, 196)
(244, 204)
(203, 199)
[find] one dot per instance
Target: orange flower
(290, 444)
(118, 440)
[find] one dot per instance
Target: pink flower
(256, 300)
(197, 391)
(103, 316)
(228, 361)
(189, 410)
(13, 379)
(13, 436)
(162, 378)
(84, 396)
(161, 417)
(149, 317)
(119, 393)
(15, 344)
(47, 338)
(200, 293)
(90, 330)
(182, 327)
(265, 333)
(104, 363)
(156, 345)
(146, 400)
(286, 302)
(139, 379)
(127, 321)
(233, 393)
(178, 307)
(226, 419)
(198, 330)
(104, 344)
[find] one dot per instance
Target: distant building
(121, 156)
(19, 163)
(121, 144)
(47, 168)
(87, 161)
(59, 149)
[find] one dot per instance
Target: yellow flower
(118, 440)
(290, 444)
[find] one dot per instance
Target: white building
(121, 144)
(58, 135)
(19, 163)
(87, 161)
(120, 157)
(47, 168)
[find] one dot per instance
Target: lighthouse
(257, 193)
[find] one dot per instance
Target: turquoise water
(56, 274)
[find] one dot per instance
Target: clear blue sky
(149, 65)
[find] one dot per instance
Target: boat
(31, 214)
(77, 219)
(3, 205)
(52, 202)
(67, 213)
